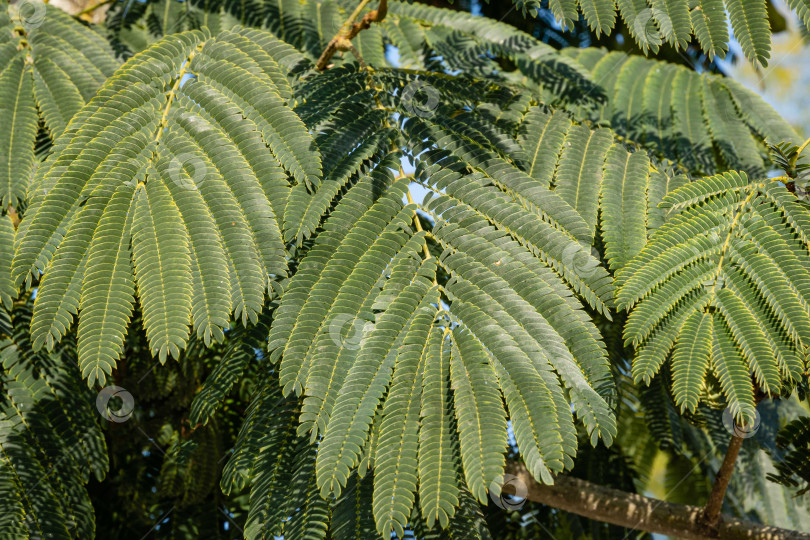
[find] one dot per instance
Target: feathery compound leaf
(108, 290)
(600, 14)
(345, 324)
(438, 491)
(623, 205)
(665, 108)
(365, 383)
(17, 143)
(48, 71)
(49, 438)
(749, 21)
(711, 27)
(579, 171)
(722, 280)
(481, 420)
(674, 21)
(395, 460)
(162, 268)
(201, 125)
(7, 291)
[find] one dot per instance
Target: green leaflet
(690, 360)
(600, 14)
(481, 420)
(162, 267)
(749, 20)
(623, 205)
(544, 135)
(396, 457)
(673, 21)
(638, 18)
(17, 144)
(107, 297)
(438, 491)
(365, 383)
(629, 97)
(727, 129)
(711, 27)
(564, 11)
(802, 9)
(579, 171)
(352, 517)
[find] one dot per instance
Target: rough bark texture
(642, 513)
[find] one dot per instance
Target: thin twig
(349, 30)
(799, 152)
(417, 223)
(711, 512)
(91, 9)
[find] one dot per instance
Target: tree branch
(711, 512)
(343, 39)
(635, 511)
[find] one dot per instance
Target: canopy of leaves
(417, 246)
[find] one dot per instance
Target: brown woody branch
(642, 513)
(711, 512)
(343, 39)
